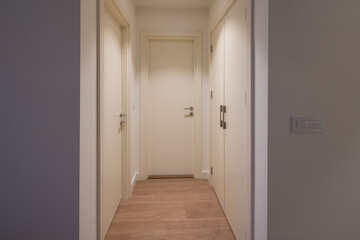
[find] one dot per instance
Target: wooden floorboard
(163, 209)
(170, 176)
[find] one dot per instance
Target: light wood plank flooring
(162, 209)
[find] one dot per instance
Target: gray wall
(314, 70)
(39, 121)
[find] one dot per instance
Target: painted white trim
(261, 63)
(88, 127)
(135, 178)
(220, 17)
(112, 8)
(133, 181)
(205, 174)
(88, 182)
(145, 37)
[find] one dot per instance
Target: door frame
(146, 36)
(90, 73)
(110, 7)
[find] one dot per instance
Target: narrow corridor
(170, 209)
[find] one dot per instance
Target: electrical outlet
(307, 124)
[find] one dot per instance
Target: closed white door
(238, 118)
(171, 90)
(217, 100)
(110, 108)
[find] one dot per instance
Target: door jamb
(144, 83)
(112, 8)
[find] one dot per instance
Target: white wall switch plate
(307, 124)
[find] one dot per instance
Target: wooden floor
(162, 209)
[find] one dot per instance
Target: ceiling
(173, 3)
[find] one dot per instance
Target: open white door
(110, 127)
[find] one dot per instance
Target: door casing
(146, 36)
(113, 10)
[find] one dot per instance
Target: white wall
(217, 10)
(314, 70)
(260, 157)
(88, 158)
(128, 9)
(185, 20)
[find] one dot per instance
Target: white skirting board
(133, 181)
(205, 174)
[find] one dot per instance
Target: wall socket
(307, 124)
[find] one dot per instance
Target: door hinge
(224, 123)
(211, 171)
(211, 94)
(211, 48)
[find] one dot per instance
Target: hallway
(170, 209)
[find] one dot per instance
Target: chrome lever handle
(189, 108)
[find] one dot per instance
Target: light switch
(307, 124)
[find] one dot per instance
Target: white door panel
(171, 89)
(110, 106)
(238, 117)
(216, 132)
(230, 152)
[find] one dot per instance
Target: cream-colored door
(170, 139)
(217, 100)
(238, 118)
(110, 129)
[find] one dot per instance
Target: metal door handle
(122, 115)
(221, 120)
(189, 108)
(222, 116)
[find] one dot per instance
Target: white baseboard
(133, 181)
(205, 174)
